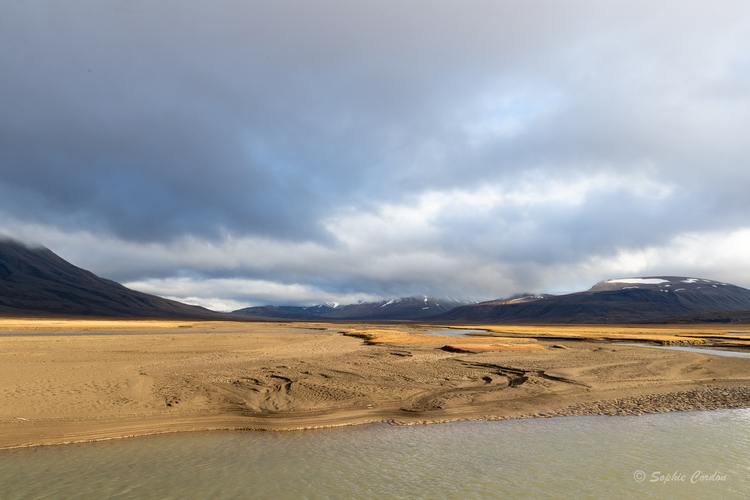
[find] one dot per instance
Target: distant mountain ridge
(625, 300)
(403, 309)
(36, 282)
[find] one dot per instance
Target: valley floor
(67, 381)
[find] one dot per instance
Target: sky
(234, 153)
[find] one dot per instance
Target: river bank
(85, 381)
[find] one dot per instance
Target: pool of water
(700, 350)
(449, 332)
(673, 455)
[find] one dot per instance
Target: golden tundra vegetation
(76, 380)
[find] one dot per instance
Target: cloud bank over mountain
(242, 153)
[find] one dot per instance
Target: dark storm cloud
(432, 140)
(184, 117)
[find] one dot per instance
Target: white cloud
(236, 293)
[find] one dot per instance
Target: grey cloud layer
(504, 135)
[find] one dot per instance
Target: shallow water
(655, 456)
(700, 350)
(449, 332)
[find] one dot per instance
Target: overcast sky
(234, 153)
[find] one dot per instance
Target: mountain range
(627, 300)
(402, 309)
(36, 282)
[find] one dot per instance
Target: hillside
(628, 300)
(36, 282)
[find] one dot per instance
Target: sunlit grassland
(392, 333)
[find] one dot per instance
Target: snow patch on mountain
(639, 281)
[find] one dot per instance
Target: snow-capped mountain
(405, 308)
(623, 300)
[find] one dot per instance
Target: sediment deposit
(74, 381)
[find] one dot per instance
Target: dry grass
(19, 325)
(598, 330)
(402, 337)
(395, 334)
(688, 334)
(135, 326)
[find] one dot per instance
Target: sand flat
(66, 381)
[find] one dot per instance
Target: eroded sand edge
(72, 381)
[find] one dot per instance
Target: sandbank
(67, 381)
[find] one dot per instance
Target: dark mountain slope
(629, 300)
(36, 282)
(281, 312)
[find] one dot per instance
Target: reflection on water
(449, 332)
(699, 350)
(576, 457)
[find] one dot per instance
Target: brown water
(674, 455)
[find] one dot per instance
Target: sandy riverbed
(83, 380)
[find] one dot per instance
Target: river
(673, 455)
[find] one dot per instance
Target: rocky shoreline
(732, 398)
(694, 400)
